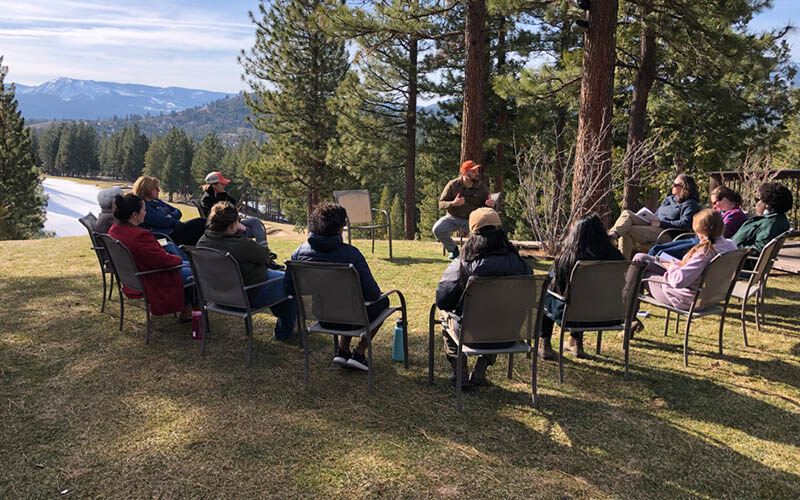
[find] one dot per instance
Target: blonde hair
(144, 185)
(708, 223)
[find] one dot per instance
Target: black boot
(478, 375)
(464, 372)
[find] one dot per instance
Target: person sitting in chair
(225, 233)
(487, 253)
(460, 197)
(105, 198)
(164, 218)
(325, 244)
(773, 201)
(214, 192)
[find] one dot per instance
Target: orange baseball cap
(469, 165)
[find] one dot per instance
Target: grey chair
(221, 289)
(89, 221)
(600, 292)
(714, 288)
(331, 293)
(756, 283)
(359, 211)
(201, 210)
(496, 309)
(128, 275)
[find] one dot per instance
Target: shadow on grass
(406, 261)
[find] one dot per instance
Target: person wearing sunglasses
(676, 212)
(773, 201)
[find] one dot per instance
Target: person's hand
(490, 203)
(458, 201)
(655, 223)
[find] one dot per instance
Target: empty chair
(331, 293)
(89, 221)
(359, 211)
(221, 289)
(600, 295)
(710, 296)
(497, 310)
(756, 284)
(201, 210)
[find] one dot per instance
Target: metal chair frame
(340, 197)
(89, 221)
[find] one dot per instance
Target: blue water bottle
(397, 346)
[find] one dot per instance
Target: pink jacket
(680, 277)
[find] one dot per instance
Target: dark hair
(327, 219)
(776, 196)
(587, 240)
(689, 187)
(125, 206)
(221, 216)
(486, 240)
(729, 194)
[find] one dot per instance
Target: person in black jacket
(587, 240)
(486, 253)
(325, 244)
(675, 212)
(214, 192)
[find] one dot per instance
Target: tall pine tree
(293, 70)
(22, 205)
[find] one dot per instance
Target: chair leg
(430, 354)
(626, 346)
(599, 341)
(304, 333)
(204, 321)
(459, 365)
(677, 323)
(370, 368)
(405, 341)
(560, 357)
(722, 326)
(121, 306)
(248, 324)
(147, 327)
(757, 309)
(686, 341)
(372, 233)
(534, 368)
(390, 240)
(666, 324)
(744, 327)
(510, 365)
(103, 305)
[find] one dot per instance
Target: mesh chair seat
(232, 311)
(743, 290)
(315, 327)
(357, 204)
(697, 313)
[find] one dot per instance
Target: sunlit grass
(97, 412)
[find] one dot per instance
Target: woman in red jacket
(165, 290)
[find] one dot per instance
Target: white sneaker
(358, 361)
(341, 358)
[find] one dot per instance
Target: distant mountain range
(70, 99)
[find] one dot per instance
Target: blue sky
(181, 43)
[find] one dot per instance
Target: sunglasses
(677, 184)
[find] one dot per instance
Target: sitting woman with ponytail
(165, 290)
(683, 274)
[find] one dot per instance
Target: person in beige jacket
(459, 198)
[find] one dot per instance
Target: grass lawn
(97, 413)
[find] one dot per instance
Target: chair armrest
(662, 282)
(744, 271)
(144, 273)
(557, 295)
(254, 285)
(162, 235)
(385, 212)
(399, 295)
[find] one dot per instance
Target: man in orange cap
(460, 197)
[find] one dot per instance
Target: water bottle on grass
(197, 325)
(397, 345)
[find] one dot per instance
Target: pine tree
(131, 153)
(208, 158)
(293, 70)
(22, 205)
(385, 203)
(396, 214)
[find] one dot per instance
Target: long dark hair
(486, 240)
(689, 188)
(125, 206)
(587, 240)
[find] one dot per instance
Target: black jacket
(210, 198)
(500, 262)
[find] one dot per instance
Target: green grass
(95, 411)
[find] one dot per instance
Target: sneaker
(454, 254)
(478, 375)
(341, 358)
(358, 361)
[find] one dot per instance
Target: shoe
(464, 373)
(576, 347)
(478, 375)
(454, 254)
(358, 361)
(546, 351)
(341, 357)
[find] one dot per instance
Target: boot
(576, 346)
(464, 372)
(478, 375)
(546, 349)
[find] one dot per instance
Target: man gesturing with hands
(460, 197)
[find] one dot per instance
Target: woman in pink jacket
(680, 275)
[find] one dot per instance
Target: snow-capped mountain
(67, 98)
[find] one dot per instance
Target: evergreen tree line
(689, 73)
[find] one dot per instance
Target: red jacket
(164, 290)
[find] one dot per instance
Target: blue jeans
(172, 249)
(284, 311)
(186, 277)
(675, 248)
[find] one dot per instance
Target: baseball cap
(483, 217)
(469, 165)
(215, 177)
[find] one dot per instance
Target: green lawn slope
(88, 411)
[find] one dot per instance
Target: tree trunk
(410, 223)
(502, 114)
(474, 81)
(593, 151)
(636, 129)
